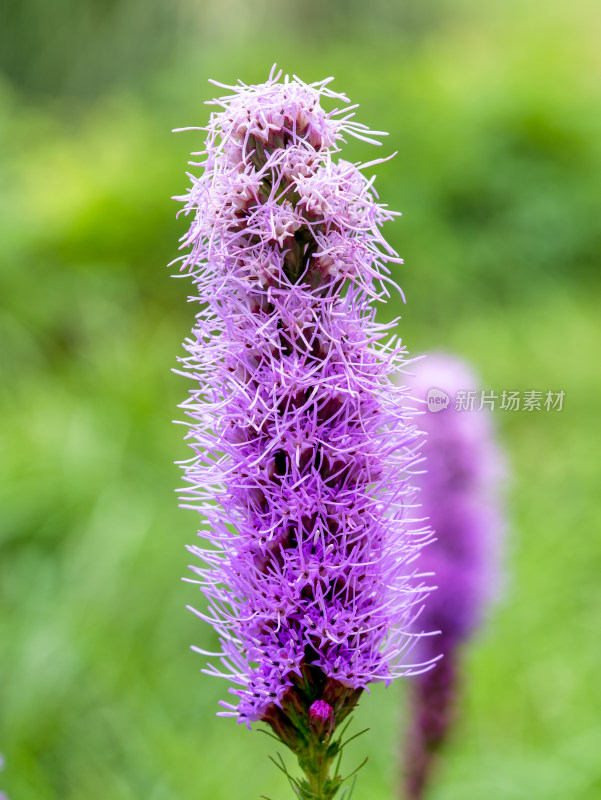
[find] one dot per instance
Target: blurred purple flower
(2, 764)
(460, 494)
(302, 441)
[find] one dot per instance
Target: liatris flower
(302, 443)
(460, 495)
(2, 795)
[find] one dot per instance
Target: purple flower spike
(460, 495)
(302, 442)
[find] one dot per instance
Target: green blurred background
(495, 110)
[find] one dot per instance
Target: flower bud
(321, 719)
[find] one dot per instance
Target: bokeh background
(495, 111)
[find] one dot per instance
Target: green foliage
(494, 116)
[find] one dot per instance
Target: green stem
(309, 732)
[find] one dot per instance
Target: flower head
(302, 441)
(459, 492)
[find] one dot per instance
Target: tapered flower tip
(321, 718)
(463, 431)
(270, 113)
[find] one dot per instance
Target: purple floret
(303, 443)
